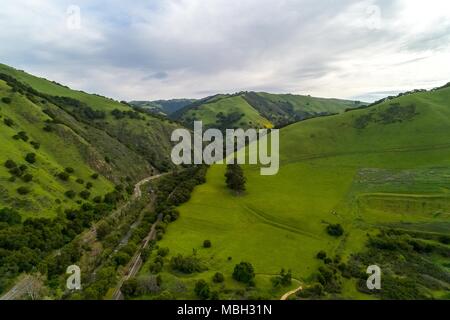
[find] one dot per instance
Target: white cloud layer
(193, 48)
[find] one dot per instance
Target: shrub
(244, 272)
(89, 185)
(94, 176)
(47, 128)
(186, 265)
(155, 267)
(218, 277)
(63, 176)
(6, 100)
(207, 244)
(121, 258)
(27, 178)
(36, 145)
(10, 164)
(79, 181)
(10, 216)
(103, 229)
(70, 194)
(22, 135)
(321, 255)
(30, 157)
(162, 252)
(69, 170)
(202, 289)
(97, 199)
(335, 230)
(85, 194)
(9, 122)
(23, 190)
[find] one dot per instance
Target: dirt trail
(288, 294)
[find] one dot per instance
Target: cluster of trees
(118, 114)
(235, 179)
(244, 272)
(283, 279)
(188, 265)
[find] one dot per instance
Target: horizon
(353, 50)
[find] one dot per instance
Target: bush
(9, 122)
(244, 272)
(89, 185)
(10, 216)
(121, 258)
(284, 279)
(85, 194)
(103, 229)
(335, 230)
(23, 190)
(6, 100)
(162, 252)
(36, 145)
(22, 135)
(63, 176)
(321, 255)
(27, 178)
(207, 244)
(30, 157)
(70, 194)
(69, 170)
(10, 164)
(94, 176)
(186, 265)
(79, 181)
(47, 128)
(218, 277)
(97, 199)
(202, 289)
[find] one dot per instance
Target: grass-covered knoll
(392, 172)
(144, 135)
(259, 109)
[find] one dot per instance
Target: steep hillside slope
(145, 135)
(47, 128)
(259, 109)
(386, 166)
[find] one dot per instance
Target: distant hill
(165, 107)
(259, 109)
(46, 128)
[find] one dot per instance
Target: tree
(63, 176)
(321, 255)
(6, 100)
(23, 190)
(69, 170)
(235, 179)
(202, 289)
(27, 178)
(207, 244)
(244, 272)
(10, 164)
(94, 176)
(218, 277)
(9, 122)
(10, 216)
(85, 194)
(162, 252)
(70, 194)
(103, 229)
(30, 157)
(335, 230)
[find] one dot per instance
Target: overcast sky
(193, 48)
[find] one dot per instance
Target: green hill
(379, 168)
(259, 109)
(64, 128)
(165, 107)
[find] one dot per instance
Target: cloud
(180, 48)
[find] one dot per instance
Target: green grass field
(382, 166)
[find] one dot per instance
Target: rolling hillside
(62, 128)
(258, 109)
(379, 168)
(165, 107)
